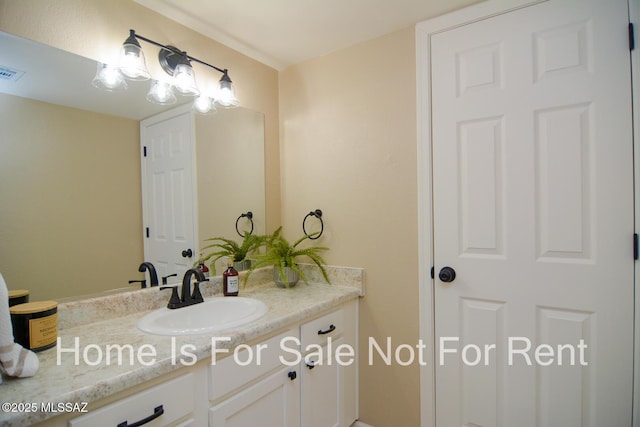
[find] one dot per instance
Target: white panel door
(533, 209)
(169, 192)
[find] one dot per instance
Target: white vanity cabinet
(292, 379)
(310, 389)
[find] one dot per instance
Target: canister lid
(17, 293)
(33, 307)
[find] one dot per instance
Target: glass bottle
(230, 281)
(203, 267)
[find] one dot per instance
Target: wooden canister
(35, 324)
(18, 296)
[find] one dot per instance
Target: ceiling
(280, 33)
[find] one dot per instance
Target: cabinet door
(274, 401)
(322, 390)
(329, 389)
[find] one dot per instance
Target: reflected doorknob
(187, 254)
(447, 274)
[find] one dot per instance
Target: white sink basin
(212, 316)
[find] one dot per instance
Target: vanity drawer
(173, 398)
(229, 374)
(319, 330)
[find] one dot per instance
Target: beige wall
(68, 225)
(96, 29)
(348, 143)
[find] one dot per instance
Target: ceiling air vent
(10, 74)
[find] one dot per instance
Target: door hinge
(632, 37)
(635, 246)
(147, 232)
(144, 151)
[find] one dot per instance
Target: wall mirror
(70, 186)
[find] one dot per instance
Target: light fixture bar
(177, 51)
(174, 62)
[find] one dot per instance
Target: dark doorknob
(187, 254)
(447, 274)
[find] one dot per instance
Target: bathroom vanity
(295, 366)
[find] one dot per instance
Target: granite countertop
(62, 379)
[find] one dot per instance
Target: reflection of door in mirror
(168, 191)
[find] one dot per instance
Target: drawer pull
(332, 328)
(311, 364)
(292, 375)
(157, 411)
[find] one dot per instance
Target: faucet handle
(174, 301)
(164, 278)
(143, 283)
(196, 296)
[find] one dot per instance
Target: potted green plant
(223, 247)
(284, 257)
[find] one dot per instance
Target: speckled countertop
(65, 381)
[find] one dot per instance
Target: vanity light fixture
(161, 93)
(132, 63)
(177, 64)
(109, 78)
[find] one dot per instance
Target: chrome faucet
(187, 298)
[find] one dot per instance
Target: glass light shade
(184, 80)
(204, 104)
(226, 95)
(108, 78)
(161, 93)
(132, 63)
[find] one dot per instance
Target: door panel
(533, 208)
(481, 208)
(563, 147)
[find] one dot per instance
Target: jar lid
(17, 293)
(33, 307)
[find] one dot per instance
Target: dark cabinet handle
(292, 375)
(187, 253)
(157, 411)
(332, 328)
(311, 365)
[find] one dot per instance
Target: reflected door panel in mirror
(168, 191)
